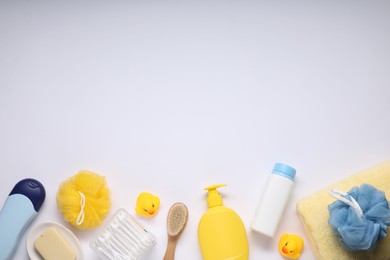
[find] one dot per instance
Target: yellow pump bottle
(221, 232)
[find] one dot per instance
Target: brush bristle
(177, 218)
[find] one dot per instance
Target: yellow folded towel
(314, 215)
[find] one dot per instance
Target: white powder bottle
(275, 196)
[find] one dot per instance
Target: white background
(172, 96)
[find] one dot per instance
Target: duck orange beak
(284, 249)
(151, 212)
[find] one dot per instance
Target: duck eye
(145, 210)
(152, 205)
(286, 244)
(290, 251)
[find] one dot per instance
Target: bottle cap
(284, 170)
(213, 197)
(33, 190)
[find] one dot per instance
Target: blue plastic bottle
(20, 208)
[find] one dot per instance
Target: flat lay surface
(170, 97)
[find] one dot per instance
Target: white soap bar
(52, 246)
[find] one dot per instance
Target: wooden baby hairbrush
(176, 222)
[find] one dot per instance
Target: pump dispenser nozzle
(213, 197)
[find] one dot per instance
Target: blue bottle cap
(33, 190)
(284, 170)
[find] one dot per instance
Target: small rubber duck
(147, 204)
(290, 246)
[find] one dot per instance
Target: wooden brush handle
(170, 252)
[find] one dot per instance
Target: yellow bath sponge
(84, 200)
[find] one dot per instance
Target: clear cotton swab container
(123, 238)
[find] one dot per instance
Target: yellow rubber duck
(290, 246)
(147, 204)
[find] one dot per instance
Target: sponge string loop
(347, 199)
(80, 217)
